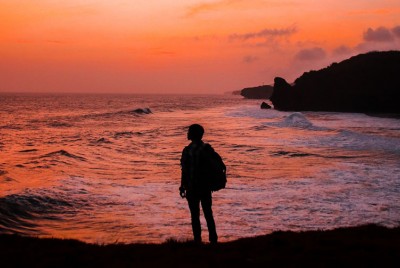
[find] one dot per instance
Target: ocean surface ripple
(105, 168)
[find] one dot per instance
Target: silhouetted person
(194, 183)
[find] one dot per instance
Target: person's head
(195, 132)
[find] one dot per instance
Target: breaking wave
(135, 112)
(20, 213)
(295, 120)
(63, 153)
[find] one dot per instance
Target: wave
(254, 112)
(28, 151)
(12, 127)
(20, 213)
(297, 120)
(4, 176)
(304, 154)
(59, 124)
(33, 211)
(294, 120)
(360, 141)
(102, 140)
(286, 119)
(68, 121)
(292, 154)
(142, 111)
(361, 144)
(127, 134)
(135, 112)
(63, 153)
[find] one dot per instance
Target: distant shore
(384, 115)
(363, 246)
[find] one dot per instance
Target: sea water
(105, 168)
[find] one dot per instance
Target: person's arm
(184, 175)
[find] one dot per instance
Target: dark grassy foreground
(365, 246)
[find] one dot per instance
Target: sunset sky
(182, 46)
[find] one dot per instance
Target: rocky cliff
(260, 92)
(364, 83)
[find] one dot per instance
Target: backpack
(214, 168)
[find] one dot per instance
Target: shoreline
(384, 115)
(362, 246)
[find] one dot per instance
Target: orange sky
(176, 46)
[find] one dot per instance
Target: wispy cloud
(210, 6)
(311, 54)
(227, 4)
(265, 33)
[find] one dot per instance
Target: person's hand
(182, 192)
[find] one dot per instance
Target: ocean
(105, 168)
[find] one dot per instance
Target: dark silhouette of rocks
(260, 92)
(265, 105)
(364, 83)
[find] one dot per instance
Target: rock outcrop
(364, 83)
(265, 105)
(260, 92)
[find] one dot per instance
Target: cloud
(375, 46)
(205, 7)
(396, 31)
(311, 54)
(235, 4)
(381, 34)
(381, 38)
(342, 50)
(250, 59)
(265, 33)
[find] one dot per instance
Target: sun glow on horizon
(166, 46)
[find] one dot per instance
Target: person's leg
(206, 203)
(194, 206)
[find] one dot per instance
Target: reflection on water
(95, 169)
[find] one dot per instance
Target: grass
(363, 246)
